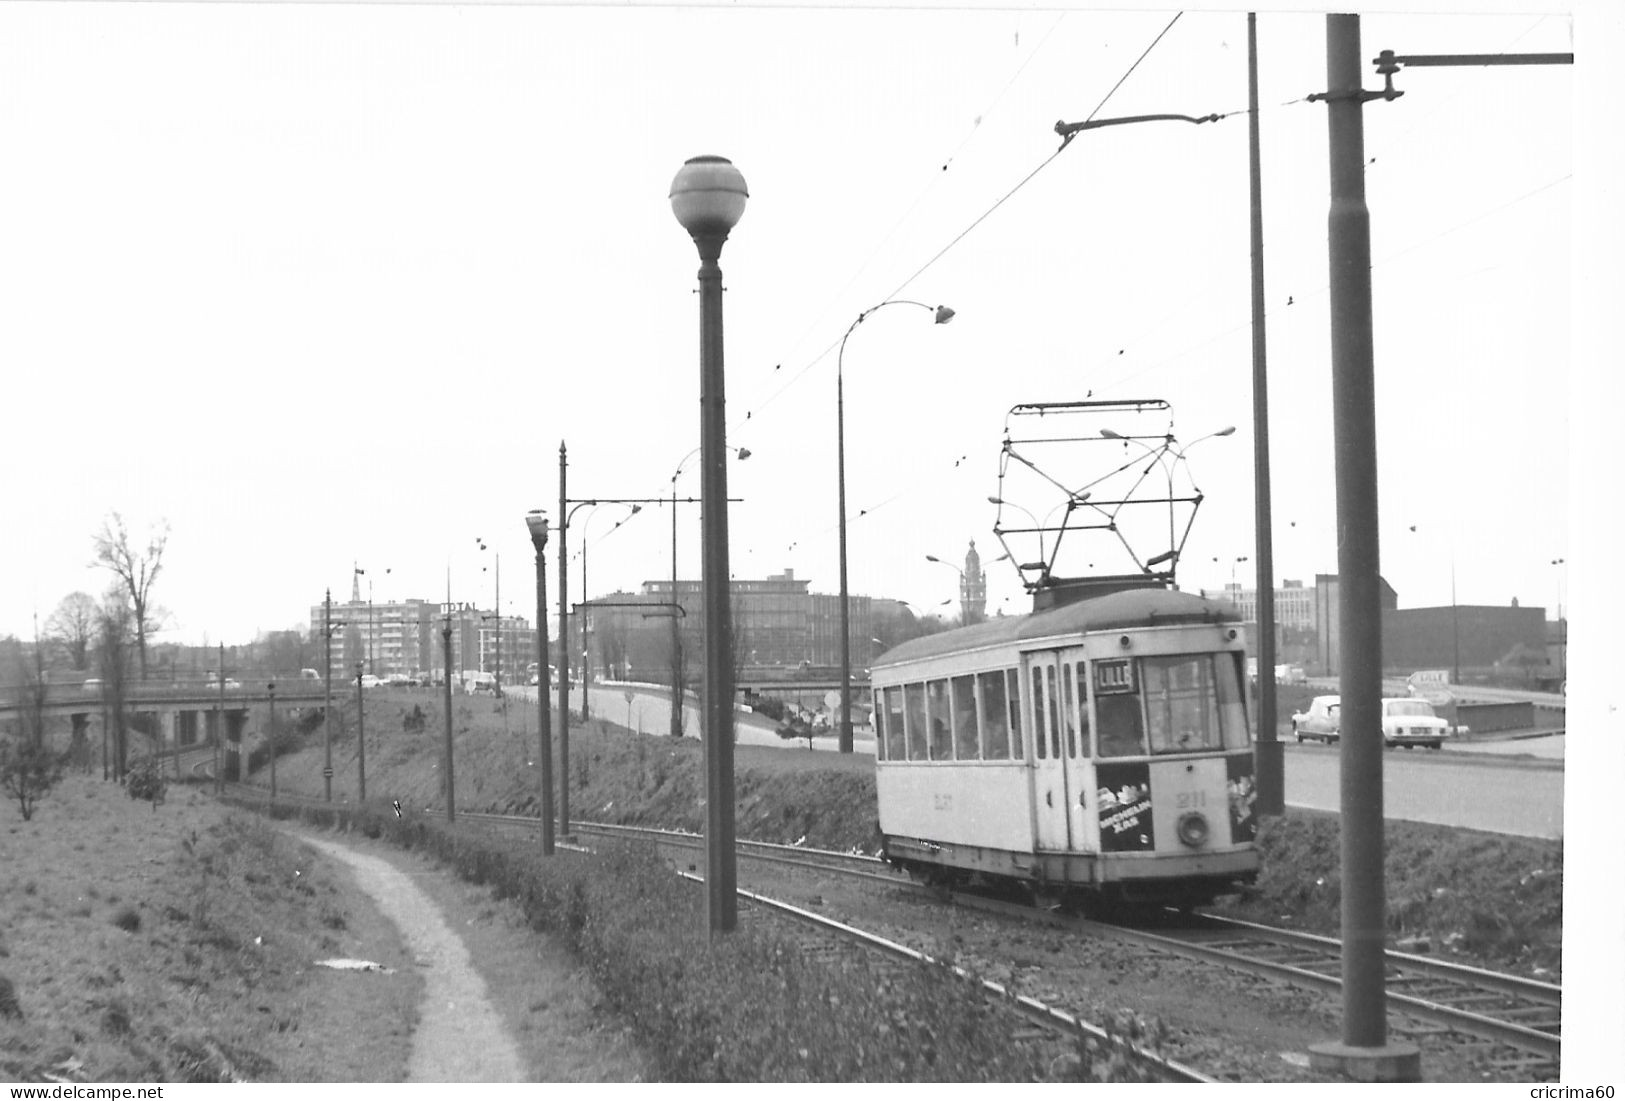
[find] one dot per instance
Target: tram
(1099, 748)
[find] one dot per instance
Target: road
(1472, 790)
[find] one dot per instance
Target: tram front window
(1183, 704)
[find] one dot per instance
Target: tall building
(777, 624)
(1294, 604)
(404, 637)
(972, 589)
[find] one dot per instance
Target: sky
(324, 286)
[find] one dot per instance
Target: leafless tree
(73, 627)
(136, 570)
(115, 626)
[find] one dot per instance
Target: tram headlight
(1193, 830)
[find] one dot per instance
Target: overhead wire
(966, 232)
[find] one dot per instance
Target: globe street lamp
(941, 316)
(536, 522)
(708, 198)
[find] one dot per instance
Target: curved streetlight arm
(1067, 129)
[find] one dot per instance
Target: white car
(1411, 722)
(370, 681)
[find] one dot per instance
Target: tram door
(1051, 801)
(1073, 680)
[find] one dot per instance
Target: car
(94, 684)
(1319, 721)
(230, 685)
(1411, 722)
(370, 681)
(399, 680)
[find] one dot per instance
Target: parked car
(370, 681)
(94, 684)
(1411, 722)
(1319, 721)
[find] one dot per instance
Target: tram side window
(1121, 733)
(914, 712)
(1054, 707)
(1181, 704)
(1038, 713)
(964, 694)
(894, 724)
(936, 704)
(1069, 710)
(1232, 701)
(995, 717)
(1012, 681)
(1083, 707)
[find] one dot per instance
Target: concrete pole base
(1388, 1063)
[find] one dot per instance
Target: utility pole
(360, 738)
(564, 652)
(327, 698)
(1365, 1052)
(445, 642)
(1270, 769)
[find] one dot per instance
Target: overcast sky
(320, 285)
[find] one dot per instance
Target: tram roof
(1125, 608)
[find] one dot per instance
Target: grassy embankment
(175, 944)
(1493, 898)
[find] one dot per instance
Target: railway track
(1513, 1022)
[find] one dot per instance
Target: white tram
(1101, 747)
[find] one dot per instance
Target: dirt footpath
(502, 1003)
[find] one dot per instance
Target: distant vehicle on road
(94, 684)
(1411, 722)
(1320, 721)
(399, 680)
(1290, 674)
(309, 674)
(370, 681)
(1405, 722)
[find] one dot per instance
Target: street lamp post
(1562, 628)
(360, 737)
(536, 522)
(942, 315)
(271, 743)
(451, 787)
(708, 198)
(327, 700)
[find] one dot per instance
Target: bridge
(175, 716)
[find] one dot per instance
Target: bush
(145, 780)
(28, 771)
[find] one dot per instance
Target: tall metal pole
(722, 904)
(843, 722)
(676, 637)
(271, 689)
(564, 652)
(544, 725)
(219, 719)
(451, 786)
(586, 621)
(498, 681)
(327, 699)
(220, 729)
(1269, 766)
(360, 738)
(1364, 1051)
